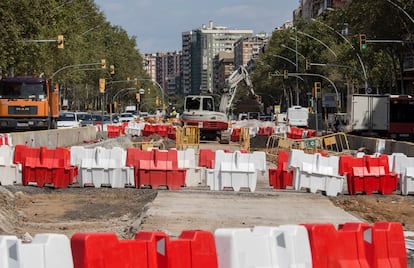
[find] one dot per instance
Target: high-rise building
(168, 69)
(249, 48)
(203, 45)
(313, 8)
(186, 62)
(165, 69)
(150, 65)
(223, 68)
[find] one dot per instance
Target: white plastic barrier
(404, 167)
(45, 251)
(284, 246)
(281, 130)
(316, 172)
(134, 129)
(102, 167)
(10, 173)
(235, 170)
(195, 175)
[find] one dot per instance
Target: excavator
(199, 110)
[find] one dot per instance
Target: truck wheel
(53, 124)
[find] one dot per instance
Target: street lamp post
(402, 10)
(291, 49)
(286, 59)
(320, 42)
(350, 44)
(144, 79)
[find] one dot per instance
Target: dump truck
(28, 103)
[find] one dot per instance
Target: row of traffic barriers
(119, 168)
(218, 170)
(330, 174)
(140, 129)
(353, 245)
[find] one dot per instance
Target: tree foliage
(351, 69)
(28, 48)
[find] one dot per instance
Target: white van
(68, 120)
(297, 116)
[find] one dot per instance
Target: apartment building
(200, 46)
(249, 48)
(165, 69)
(313, 8)
(223, 68)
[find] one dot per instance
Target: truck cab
(199, 110)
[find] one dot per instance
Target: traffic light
(363, 41)
(101, 85)
(308, 64)
(317, 90)
(285, 74)
(138, 97)
(149, 91)
(103, 64)
(60, 41)
(135, 81)
(112, 69)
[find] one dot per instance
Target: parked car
(126, 117)
(67, 120)
(97, 119)
(85, 119)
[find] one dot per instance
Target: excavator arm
(232, 82)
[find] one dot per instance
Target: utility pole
(297, 66)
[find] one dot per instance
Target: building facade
(249, 48)
(186, 62)
(204, 44)
(165, 69)
(150, 65)
(313, 8)
(223, 68)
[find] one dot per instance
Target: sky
(158, 24)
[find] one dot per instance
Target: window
(192, 103)
(208, 104)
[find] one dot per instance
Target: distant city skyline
(157, 25)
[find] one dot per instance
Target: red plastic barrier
(123, 127)
(114, 131)
(148, 130)
(282, 176)
(368, 174)
(171, 132)
(357, 245)
(192, 249)
(266, 131)
(235, 135)
(295, 133)
(162, 130)
(311, 133)
(45, 166)
(102, 250)
(206, 158)
(156, 168)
